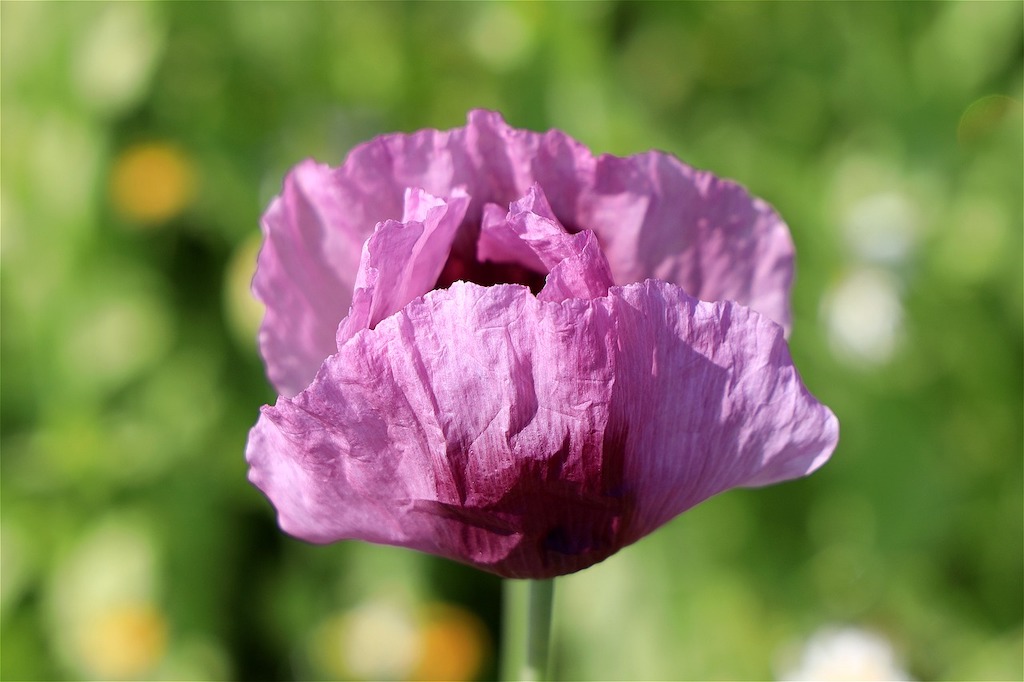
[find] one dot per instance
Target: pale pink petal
(466, 426)
(658, 218)
(500, 243)
(582, 274)
(708, 399)
(505, 235)
(402, 260)
(530, 438)
(313, 237)
(530, 236)
(654, 218)
(306, 270)
(508, 161)
(530, 219)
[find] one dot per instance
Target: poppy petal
(532, 438)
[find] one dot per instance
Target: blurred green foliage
(140, 143)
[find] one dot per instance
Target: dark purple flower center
(466, 268)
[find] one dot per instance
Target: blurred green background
(140, 143)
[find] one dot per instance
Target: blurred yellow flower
(453, 645)
(244, 311)
(104, 597)
(152, 182)
(125, 642)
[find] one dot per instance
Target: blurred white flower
(845, 653)
(864, 316)
(500, 36)
(381, 641)
(377, 640)
(882, 227)
(114, 62)
(388, 639)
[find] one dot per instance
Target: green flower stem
(526, 629)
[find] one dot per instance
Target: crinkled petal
(402, 260)
(314, 233)
(658, 218)
(539, 236)
(530, 236)
(306, 270)
(463, 426)
(654, 217)
(530, 438)
(313, 236)
(710, 400)
(507, 161)
(582, 274)
(500, 243)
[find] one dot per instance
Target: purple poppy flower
(493, 346)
